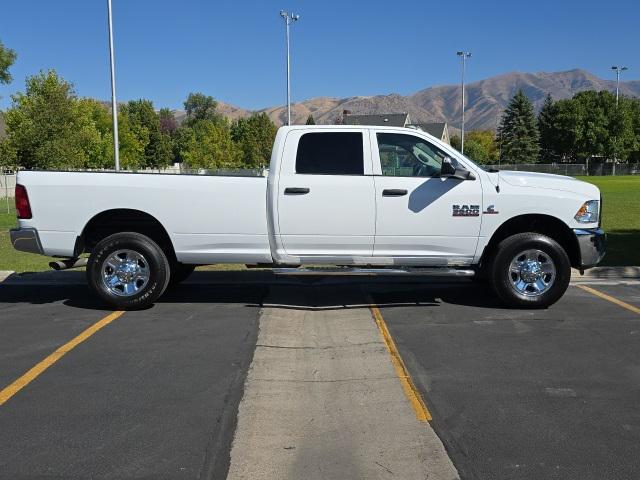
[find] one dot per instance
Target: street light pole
(463, 56)
(618, 70)
(288, 19)
(114, 103)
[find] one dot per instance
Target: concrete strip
(4, 274)
(322, 400)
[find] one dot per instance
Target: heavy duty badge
(466, 210)
(491, 210)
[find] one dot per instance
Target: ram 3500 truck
(361, 199)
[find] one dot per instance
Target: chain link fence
(573, 169)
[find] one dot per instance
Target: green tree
(481, 146)
(591, 124)
(254, 136)
(310, 120)
(7, 58)
(201, 107)
(49, 127)
(518, 133)
(208, 145)
(547, 129)
(44, 126)
(456, 142)
(144, 119)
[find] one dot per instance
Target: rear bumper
(26, 240)
(592, 244)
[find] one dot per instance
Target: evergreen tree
(547, 130)
(310, 120)
(518, 132)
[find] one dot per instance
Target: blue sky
(234, 50)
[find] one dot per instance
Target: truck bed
(220, 218)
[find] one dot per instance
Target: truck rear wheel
(128, 271)
(529, 270)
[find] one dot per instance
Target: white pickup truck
(357, 198)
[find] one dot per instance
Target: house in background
(440, 130)
(385, 119)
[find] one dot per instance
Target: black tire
(502, 280)
(152, 259)
(180, 272)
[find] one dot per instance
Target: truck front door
(326, 203)
(421, 218)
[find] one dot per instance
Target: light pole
(618, 70)
(288, 19)
(463, 56)
(114, 103)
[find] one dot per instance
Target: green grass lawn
(621, 221)
(11, 259)
(620, 218)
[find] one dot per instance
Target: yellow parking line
(609, 298)
(34, 372)
(410, 390)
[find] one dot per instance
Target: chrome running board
(426, 271)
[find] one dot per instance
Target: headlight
(588, 212)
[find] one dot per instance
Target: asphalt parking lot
(157, 393)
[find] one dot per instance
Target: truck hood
(550, 182)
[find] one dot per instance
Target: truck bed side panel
(209, 219)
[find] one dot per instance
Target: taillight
(22, 203)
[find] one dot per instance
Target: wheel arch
(548, 225)
(119, 220)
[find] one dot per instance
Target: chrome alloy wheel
(125, 273)
(532, 273)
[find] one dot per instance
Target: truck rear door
(326, 202)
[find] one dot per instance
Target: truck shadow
(258, 289)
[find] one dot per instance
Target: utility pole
(114, 103)
(288, 19)
(618, 71)
(463, 56)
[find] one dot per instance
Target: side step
(426, 271)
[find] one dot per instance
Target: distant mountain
(486, 99)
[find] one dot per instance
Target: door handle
(296, 191)
(394, 192)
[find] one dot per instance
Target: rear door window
(330, 153)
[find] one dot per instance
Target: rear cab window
(330, 153)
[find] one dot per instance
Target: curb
(607, 273)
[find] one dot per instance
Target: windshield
(481, 167)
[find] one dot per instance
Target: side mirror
(449, 170)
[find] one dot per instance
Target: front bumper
(26, 240)
(592, 244)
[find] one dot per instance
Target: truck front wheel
(128, 271)
(529, 270)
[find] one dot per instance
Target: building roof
(435, 129)
(388, 119)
